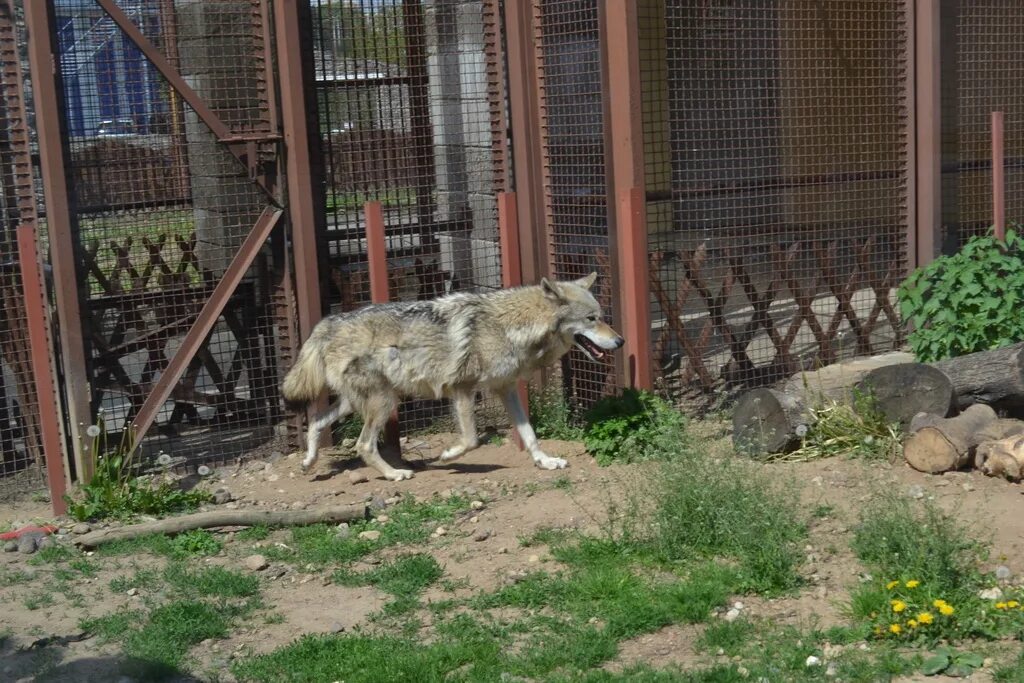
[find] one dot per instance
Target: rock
(812, 661)
(81, 528)
(474, 519)
(393, 500)
(377, 503)
(515, 576)
(482, 535)
(821, 593)
(256, 563)
(277, 573)
(371, 535)
(383, 519)
(45, 542)
(11, 546)
(990, 594)
(132, 592)
(503, 551)
(743, 671)
(343, 531)
(273, 477)
(299, 505)
(1003, 573)
(336, 627)
(738, 605)
(27, 545)
(222, 497)
(440, 531)
(533, 559)
(357, 476)
(477, 505)
(916, 491)
(732, 615)
(831, 670)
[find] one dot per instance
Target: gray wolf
(449, 347)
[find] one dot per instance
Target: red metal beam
(928, 140)
(40, 348)
(377, 264)
(208, 315)
(43, 65)
(511, 272)
(998, 176)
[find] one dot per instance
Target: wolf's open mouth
(588, 347)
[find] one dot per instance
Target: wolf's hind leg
(375, 416)
(341, 408)
(462, 406)
(514, 407)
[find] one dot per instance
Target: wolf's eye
(592, 318)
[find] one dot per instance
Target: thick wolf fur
(450, 347)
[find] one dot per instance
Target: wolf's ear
(588, 281)
(550, 289)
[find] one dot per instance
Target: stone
(990, 594)
(256, 563)
(533, 559)
(343, 531)
(440, 531)
(916, 491)
(812, 661)
(299, 505)
(27, 545)
(11, 547)
(81, 528)
(377, 503)
(1003, 573)
(357, 477)
(482, 535)
(45, 542)
(222, 497)
(477, 505)
(370, 535)
(132, 592)
(336, 627)
(383, 519)
(732, 615)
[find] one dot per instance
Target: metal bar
(174, 77)
(40, 348)
(511, 273)
(909, 171)
(45, 72)
(205, 321)
(377, 264)
(627, 237)
(419, 102)
(998, 176)
(928, 140)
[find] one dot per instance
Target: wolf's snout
(619, 341)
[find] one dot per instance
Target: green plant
(966, 302)
(551, 415)
(634, 426)
(114, 489)
(948, 661)
(857, 430)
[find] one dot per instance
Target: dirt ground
(519, 499)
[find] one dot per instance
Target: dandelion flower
(895, 629)
(898, 606)
(891, 585)
(912, 623)
(925, 618)
(801, 430)
(203, 470)
(868, 440)
(946, 609)
(164, 459)
(913, 583)
(92, 431)
(1012, 604)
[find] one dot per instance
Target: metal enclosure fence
(750, 180)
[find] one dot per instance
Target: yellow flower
(1000, 605)
(1011, 604)
(912, 623)
(913, 583)
(925, 617)
(891, 585)
(898, 605)
(946, 609)
(878, 630)
(895, 629)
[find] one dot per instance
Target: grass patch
(193, 543)
(215, 582)
(551, 415)
(404, 577)
(158, 649)
(141, 579)
(859, 430)
(252, 534)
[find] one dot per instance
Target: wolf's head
(579, 317)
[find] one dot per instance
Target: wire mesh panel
(162, 206)
(21, 455)
(568, 40)
(411, 110)
(981, 74)
(776, 161)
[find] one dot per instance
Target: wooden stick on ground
(216, 518)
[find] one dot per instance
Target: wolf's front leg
(341, 409)
(514, 407)
(462, 406)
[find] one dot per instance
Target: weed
(13, 577)
(253, 533)
(211, 582)
(405, 577)
(38, 599)
(116, 492)
(158, 649)
(634, 426)
(1012, 672)
(197, 542)
(112, 627)
(730, 637)
(143, 578)
(562, 483)
(551, 416)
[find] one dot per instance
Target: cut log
(991, 377)
(767, 421)
(218, 518)
(1002, 457)
(947, 444)
(902, 391)
(833, 382)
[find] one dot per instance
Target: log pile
(950, 411)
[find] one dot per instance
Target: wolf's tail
(306, 380)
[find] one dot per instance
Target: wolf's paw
(398, 475)
(453, 453)
(546, 462)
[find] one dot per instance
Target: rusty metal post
(998, 176)
(377, 264)
(625, 139)
(928, 136)
(45, 72)
(36, 321)
(511, 272)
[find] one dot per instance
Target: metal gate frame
(288, 140)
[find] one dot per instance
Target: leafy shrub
(966, 302)
(636, 425)
(551, 415)
(115, 490)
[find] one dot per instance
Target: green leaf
(935, 664)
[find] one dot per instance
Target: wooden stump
(767, 421)
(902, 391)
(947, 444)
